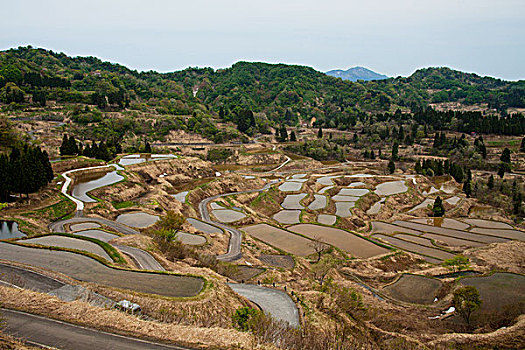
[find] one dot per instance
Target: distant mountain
(356, 73)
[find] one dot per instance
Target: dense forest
(284, 93)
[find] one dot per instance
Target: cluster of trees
(319, 149)
(436, 167)
(442, 142)
(25, 170)
(70, 147)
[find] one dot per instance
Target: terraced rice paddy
(488, 224)
(390, 188)
(453, 200)
(414, 289)
(141, 158)
(203, 227)
(181, 196)
(98, 234)
(422, 205)
(356, 192)
(215, 205)
(342, 209)
(84, 226)
(68, 242)
(450, 232)
(326, 219)
(384, 227)
(357, 184)
(281, 239)
(137, 219)
(189, 239)
(442, 222)
(376, 207)
(287, 216)
(342, 198)
(291, 186)
(319, 202)
(284, 261)
(228, 215)
(350, 243)
(324, 189)
(81, 189)
(435, 255)
(510, 234)
(293, 201)
(451, 241)
(327, 180)
(498, 291)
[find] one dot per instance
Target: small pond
(9, 229)
(137, 219)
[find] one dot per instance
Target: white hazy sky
(388, 36)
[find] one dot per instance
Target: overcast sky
(387, 36)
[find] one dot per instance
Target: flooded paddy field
(228, 215)
(71, 243)
(98, 234)
(141, 158)
(190, 239)
(437, 254)
(442, 222)
(80, 189)
(84, 226)
(281, 239)
(326, 219)
(287, 216)
(390, 188)
(137, 219)
(203, 227)
(293, 201)
(350, 243)
(318, 203)
(414, 289)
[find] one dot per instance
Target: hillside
(284, 93)
(356, 73)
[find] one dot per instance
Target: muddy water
(80, 190)
(141, 158)
(137, 219)
(9, 229)
(390, 188)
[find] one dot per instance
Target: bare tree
(319, 247)
(322, 268)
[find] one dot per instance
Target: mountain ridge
(356, 73)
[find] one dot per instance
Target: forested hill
(283, 92)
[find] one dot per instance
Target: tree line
(102, 150)
(25, 170)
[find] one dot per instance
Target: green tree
(395, 151)
(505, 156)
(466, 300)
(320, 133)
(501, 169)
(467, 188)
(522, 147)
(391, 166)
(438, 209)
(458, 262)
(147, 148)
(242, 317)
(490, 183)
(293, 138)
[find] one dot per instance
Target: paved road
(83, 268)
(234, 246)
(38, 330)
(143, 259)
(272, 301)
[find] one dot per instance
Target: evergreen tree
(391, 166)
(505, 156)
(501, 170)
(522, 147)
(438, 209)
(355, 139)
(372, 155)
(320, 133)
(395, 151)
(490, 183)
(418, 168)
(293, 138)
(283, 134)
(147, 148)
(467, 188)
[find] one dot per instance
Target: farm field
(281, 239)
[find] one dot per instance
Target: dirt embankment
(509, 256)
(74, 163)
(115, 321)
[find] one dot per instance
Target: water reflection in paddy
(81, 189)
(9, 229)
(141, 158)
